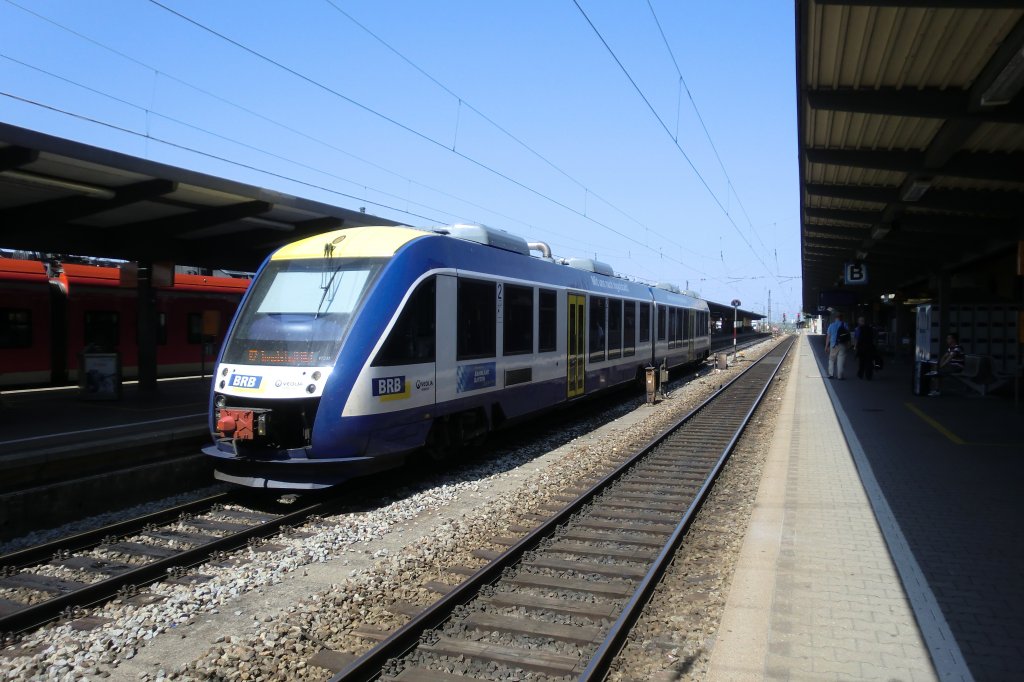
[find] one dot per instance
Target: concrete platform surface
(35, 421)
(885, 540)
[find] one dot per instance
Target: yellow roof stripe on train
(354, 242)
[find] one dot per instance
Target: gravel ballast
(264, 618)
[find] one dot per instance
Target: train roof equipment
(591, 265)
(490, 236)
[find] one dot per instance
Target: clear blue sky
(559, 120)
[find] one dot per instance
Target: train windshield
(299, 311)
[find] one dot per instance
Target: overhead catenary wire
(703, 125)
(462, 102)
(183, 147)
(247, 110)
(665, 253)
(149, 113)
(149, 135)
(665, 127)
(369, 110)
(215, 157)
(150, 105)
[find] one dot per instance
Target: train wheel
(641, 378)
(439, 446)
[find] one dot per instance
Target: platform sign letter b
(856, 273)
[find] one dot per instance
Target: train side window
(15, 328)
(518, 323)
(597, 325)
(686, 324)
(548, 321)
(412, 339)
(661, 323)
(645, 322)
(614, 328)
(101, 329)
(629, 329)
(476, 311)
(677, 325)
(195, 328)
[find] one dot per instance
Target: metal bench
(979, 375)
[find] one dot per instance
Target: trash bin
(921, 381)
(722, 361)
(99, 376)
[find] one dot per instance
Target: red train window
(15, 328)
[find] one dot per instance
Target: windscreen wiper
(326, 286)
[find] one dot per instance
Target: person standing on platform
(837, 342)
(864, 347)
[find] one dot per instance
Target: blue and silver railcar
(354, 348)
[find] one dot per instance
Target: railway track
(45, 582)
(559, 603)
(57, 579)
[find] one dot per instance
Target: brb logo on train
(245, 381)
(390, 388)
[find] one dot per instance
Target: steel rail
(404, 639)
(72, 543)
(35, 615)
(602, 659)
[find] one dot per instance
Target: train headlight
(222, 383)
(221, 400)
(311, 388)
(316, 375)
(261, 425)
(224, 372)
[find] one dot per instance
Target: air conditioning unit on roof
(499, 239)
(591, 265)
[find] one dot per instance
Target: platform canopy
(59, 196)
(911, 147)
(726, 313)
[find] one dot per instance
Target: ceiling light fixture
(272, 224)
(915, 190)
(1007, 84)
(879, 231)
(51, 182)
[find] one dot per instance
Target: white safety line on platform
(102, 428)
(945, 650)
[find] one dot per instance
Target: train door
(58, 334)
(576, 346)
(690, 327)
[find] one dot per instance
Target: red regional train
(46, 322)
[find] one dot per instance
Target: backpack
(843, 335)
